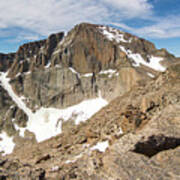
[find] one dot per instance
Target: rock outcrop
(142, 131)
(6, 61)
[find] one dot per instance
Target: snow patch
(20, 129)
(109, 72)
(80, 75)
(120, 131)
(57, 51)
(55, 168)
(74, 159)
(26, 73)
(154, 62)
(6, 144)
(87, 75)
(48, 64)
(58, 66)
(150, 75)
(113, 34)
(73, 71)
(18, 74)
(87, 150)
(101, 146)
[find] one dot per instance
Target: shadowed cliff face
(156, 144)
(34, 55)
(6, 61)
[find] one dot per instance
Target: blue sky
(23, 21)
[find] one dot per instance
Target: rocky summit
(95, 103)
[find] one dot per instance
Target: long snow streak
(6, 85)
(46, 122)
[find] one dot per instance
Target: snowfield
(154, 62)
(46, 122)
(113, 34)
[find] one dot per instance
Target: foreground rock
(16, 170)
(139, 133)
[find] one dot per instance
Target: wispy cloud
(168, 27)
(39, 18)
(131, 8)
(48, 16)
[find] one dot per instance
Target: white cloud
(38, 18)
(48, 16)
(166, 27)
(131, 8)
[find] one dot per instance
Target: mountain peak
(87, 48)
(74, 99)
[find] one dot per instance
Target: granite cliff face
(47, 86)
(80, 61)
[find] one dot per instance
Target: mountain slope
(48, 82)
(135, 136)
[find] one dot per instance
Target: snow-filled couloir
(46, 122)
